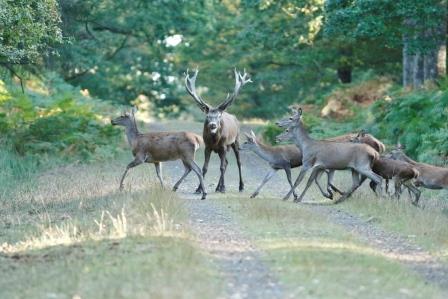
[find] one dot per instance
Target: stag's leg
(187, 171)
(207, 153)
(158, 166)
(265, 180)
(221, 186)
(299, 179)
(198, 172)
(330, 186)
(235, 147)
(313, 175)
(288, 176)
(137, 161)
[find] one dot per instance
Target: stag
(321, 155)
(221, 129)
(431, 177)
(157, 147)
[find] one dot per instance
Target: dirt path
(390, 244)
(247, 276)
(238, 260)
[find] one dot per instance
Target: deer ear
(299, 111)
(253, 134)
(247, 135)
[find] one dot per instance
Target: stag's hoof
(241, 188)
(198, 190)
(174, 189)
(253, 195)
(286, 198)
(204, 196)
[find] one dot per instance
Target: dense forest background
(68, 64)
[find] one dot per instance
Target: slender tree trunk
(418, 72)
(408, 64)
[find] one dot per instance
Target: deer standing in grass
(221, 129)
(157, 147)
(279, 157)
(430, 176)
(321, 155)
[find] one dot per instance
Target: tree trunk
(408, 64)
(418, 70)
(345, 74)
(430, 66)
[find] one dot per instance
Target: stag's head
(291, 121)
(126, 119)
(250, 143)
(214, 114)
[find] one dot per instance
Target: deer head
(251, 141)
(126, 119)
(397, 153)
(292, 120)
(214, 114)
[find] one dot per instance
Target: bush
(58, 121)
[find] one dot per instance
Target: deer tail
(198, 142)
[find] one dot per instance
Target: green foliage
(28, 28)
(60, 123)
(416, 120)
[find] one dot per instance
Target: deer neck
(132, 132)
(264, 151)
(301, 138)
(409, 160)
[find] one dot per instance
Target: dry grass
(69, 232)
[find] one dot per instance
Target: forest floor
(69, 233)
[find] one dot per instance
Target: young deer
(431, 177)
(321, 155)
(361, 137)
(159, 147)
(401, 172)
(279, 157)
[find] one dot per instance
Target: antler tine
(190, 85)
(240, 80)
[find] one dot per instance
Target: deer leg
(288, 176)
(330, 186)
(397, 185)
(317, 180)
(412, 188)
(207, 153)
(297, 182)
(197, 170)
(235, 147)
(221, 186)
(355, 185)
(187, 171)
(158, 166)
(313, 175)
(373, 176)
(265, 180)
(134, 163)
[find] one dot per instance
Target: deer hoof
(221, 189)
(174, 189)
(204, 196)
(253, 195)
(241, 189)
(198, 190)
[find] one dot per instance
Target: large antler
(190, 85)
(240, 81)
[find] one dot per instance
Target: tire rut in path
(390, 244)
(246, 276)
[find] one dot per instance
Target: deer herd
(361, 153)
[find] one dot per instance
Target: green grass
(315, 258)
(68, 232)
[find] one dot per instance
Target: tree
(418, 27)
(29, 30)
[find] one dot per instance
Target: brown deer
(431, 177)
(157, 147)
(321, 155)
(361, 137)
(221, 129)
(279, 157)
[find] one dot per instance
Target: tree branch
(14, 73)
